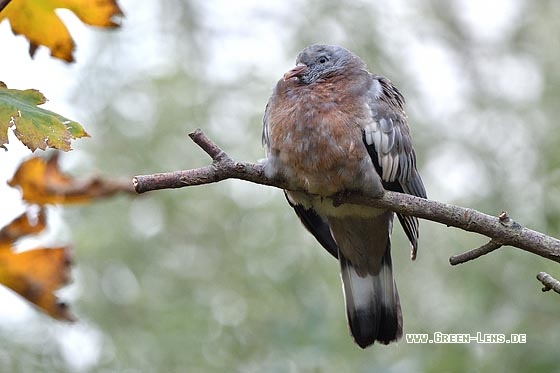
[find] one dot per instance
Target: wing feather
(316, 225)
(389, 144)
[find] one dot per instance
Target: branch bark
(3, 4)
(549, 282)
(501, 230)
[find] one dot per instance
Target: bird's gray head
(319, 61)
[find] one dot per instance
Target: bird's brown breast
(315, 135)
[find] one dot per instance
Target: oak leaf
(37, 20)
(34, 274)
(34, 126)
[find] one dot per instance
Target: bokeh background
(222, 278)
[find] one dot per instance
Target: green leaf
(34, 126)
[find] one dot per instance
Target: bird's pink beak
(296, 71)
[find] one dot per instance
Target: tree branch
(502, 230)
(549, 282)
(223, 167)
(3, 4)
(475, 253)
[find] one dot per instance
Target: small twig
(95, 187)
(549, 282)
(208, 146)
(475, 253)
(3, 4)
(501, 230)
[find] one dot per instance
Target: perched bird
(329, 127)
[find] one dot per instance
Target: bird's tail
(373, 308)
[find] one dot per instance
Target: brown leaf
(42, 182)
(22, 226)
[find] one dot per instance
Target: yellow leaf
(99, 13)
(34, 274)
(37, 20)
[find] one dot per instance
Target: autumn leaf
(37, 20)
(42, 182)
(34, 274)
(34, 126)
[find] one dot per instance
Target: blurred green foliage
(223, 278)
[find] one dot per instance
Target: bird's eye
(323, 59)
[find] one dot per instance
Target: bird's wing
(316, 225)
(388, 141)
